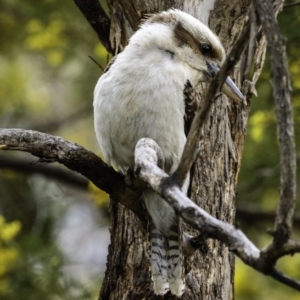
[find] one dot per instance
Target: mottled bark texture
(210, 272)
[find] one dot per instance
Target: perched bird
(141, 94)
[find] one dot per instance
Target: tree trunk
(210, 271)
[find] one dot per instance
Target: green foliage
(250, 284)
(9, 253)
(43, 54)
(35, 270)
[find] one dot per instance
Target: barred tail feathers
(175, 262)
(166, 260)
(159, 261)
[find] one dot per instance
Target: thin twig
(96, 63)
(291, 4)
(253, 215)
(285, 279)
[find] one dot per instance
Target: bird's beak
(229, 88)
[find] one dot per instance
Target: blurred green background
(53, 224)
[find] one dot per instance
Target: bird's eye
(205, 49)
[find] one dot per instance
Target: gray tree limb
(291, 4)
(75, 157)
(147, 154)
(285, 123)
(123, 189)
(252, 215)
(50, 149)
(249, 214)
(193, 138)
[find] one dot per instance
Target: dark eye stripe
(183, 37)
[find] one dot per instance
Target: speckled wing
(191, 105)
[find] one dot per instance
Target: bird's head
(190, 42)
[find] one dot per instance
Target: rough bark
(210, 272)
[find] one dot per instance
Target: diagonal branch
(249, 214)
(191, 147)
(48, 148)
(285, 123)
(291, 4)
(284, 279)
(264, 261)
(75, 157)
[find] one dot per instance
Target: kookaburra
(141, 95)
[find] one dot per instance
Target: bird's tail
(166, 258)
(175, 261)
(159, 261)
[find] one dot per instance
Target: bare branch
(125, 190)
(285, 279)
(75, 157)
(284, 114)
(164, 185)
(96, 16)
(273, 253)
(191, 146)
(263, 261)
(55, 149)
(27, 167)
(100, 67)
(250, 214)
